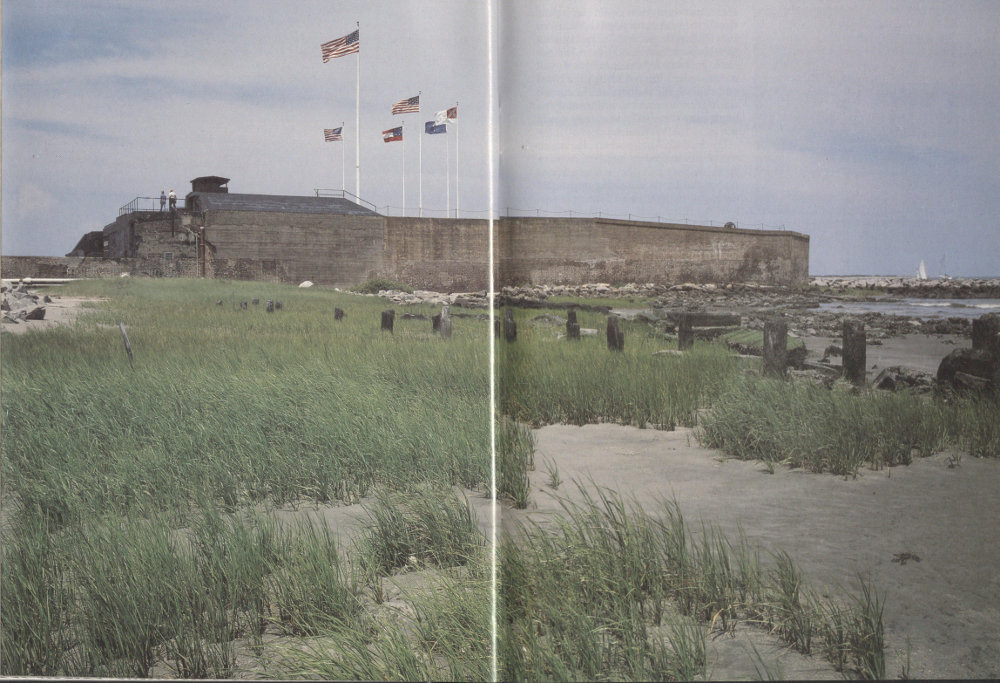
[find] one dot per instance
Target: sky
(873, 127)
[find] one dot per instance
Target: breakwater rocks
(942, 288)
(755, 303)
(19, 305)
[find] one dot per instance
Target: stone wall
(576, 250)
(433, 253)
(15, 267)
(437, 254)
(330, 250)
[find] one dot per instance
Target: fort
(334, 240)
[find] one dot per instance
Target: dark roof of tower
(212, 201)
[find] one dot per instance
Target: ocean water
(919, 308)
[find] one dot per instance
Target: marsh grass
(545, 380)
(608, 590)
(429, 526)
(839, 430)
(130, 539)
(237, 406)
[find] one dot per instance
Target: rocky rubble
(20, 305)
(943, 288)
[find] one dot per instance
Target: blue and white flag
(433, 128)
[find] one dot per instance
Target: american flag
(393, 134)
(333, 134)
(408, 106)
(349, 44)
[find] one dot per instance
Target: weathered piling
(685, 332)
(338, 314)
(855, 340)
(388, 318)
(509, 326)
(444, 322)
(616, 336)
(986, 334)
(572, 326)
(775, 347)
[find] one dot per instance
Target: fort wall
(431, 253)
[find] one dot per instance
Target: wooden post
(436, 323)
(338, 314)
(509, 326)
(270, 306)
(986, 334)
(572, 326)
(616, 336)
(854, 357)
(775, 347)
(388, 318)
(444, 323)
(128, 347)
(685, 333)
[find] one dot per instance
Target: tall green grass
(840, 430)
(237, 406)
(545, 380)
(611, 591)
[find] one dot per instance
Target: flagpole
(357, 126)
(402, 135)
(447, 178)
(343, 164)
(456, 159)
(420, 173)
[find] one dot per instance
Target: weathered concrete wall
(331, 250)
(438, 254)
(577, 250)
(435, 253)
(77, 267)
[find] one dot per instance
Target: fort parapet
(335, 241)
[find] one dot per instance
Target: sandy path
(948, 604)
(62, 310)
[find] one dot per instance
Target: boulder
(37, 313)
(969, 363)
(307, 283)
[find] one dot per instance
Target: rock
(47, 299)
(898, 377)
(969, 363)
(306, 283)
(37, 313)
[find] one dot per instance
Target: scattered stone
(269, 306)
(897, 377)
(255, 302)
(306, 283)
(37, 313)
(338, 313)
(388, 320)
(277, 305)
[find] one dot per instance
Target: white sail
(922, 271)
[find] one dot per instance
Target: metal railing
(344, 194)
(147, 204)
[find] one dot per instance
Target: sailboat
(922, 271)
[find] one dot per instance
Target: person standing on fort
(163, 200)
(173, 201)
